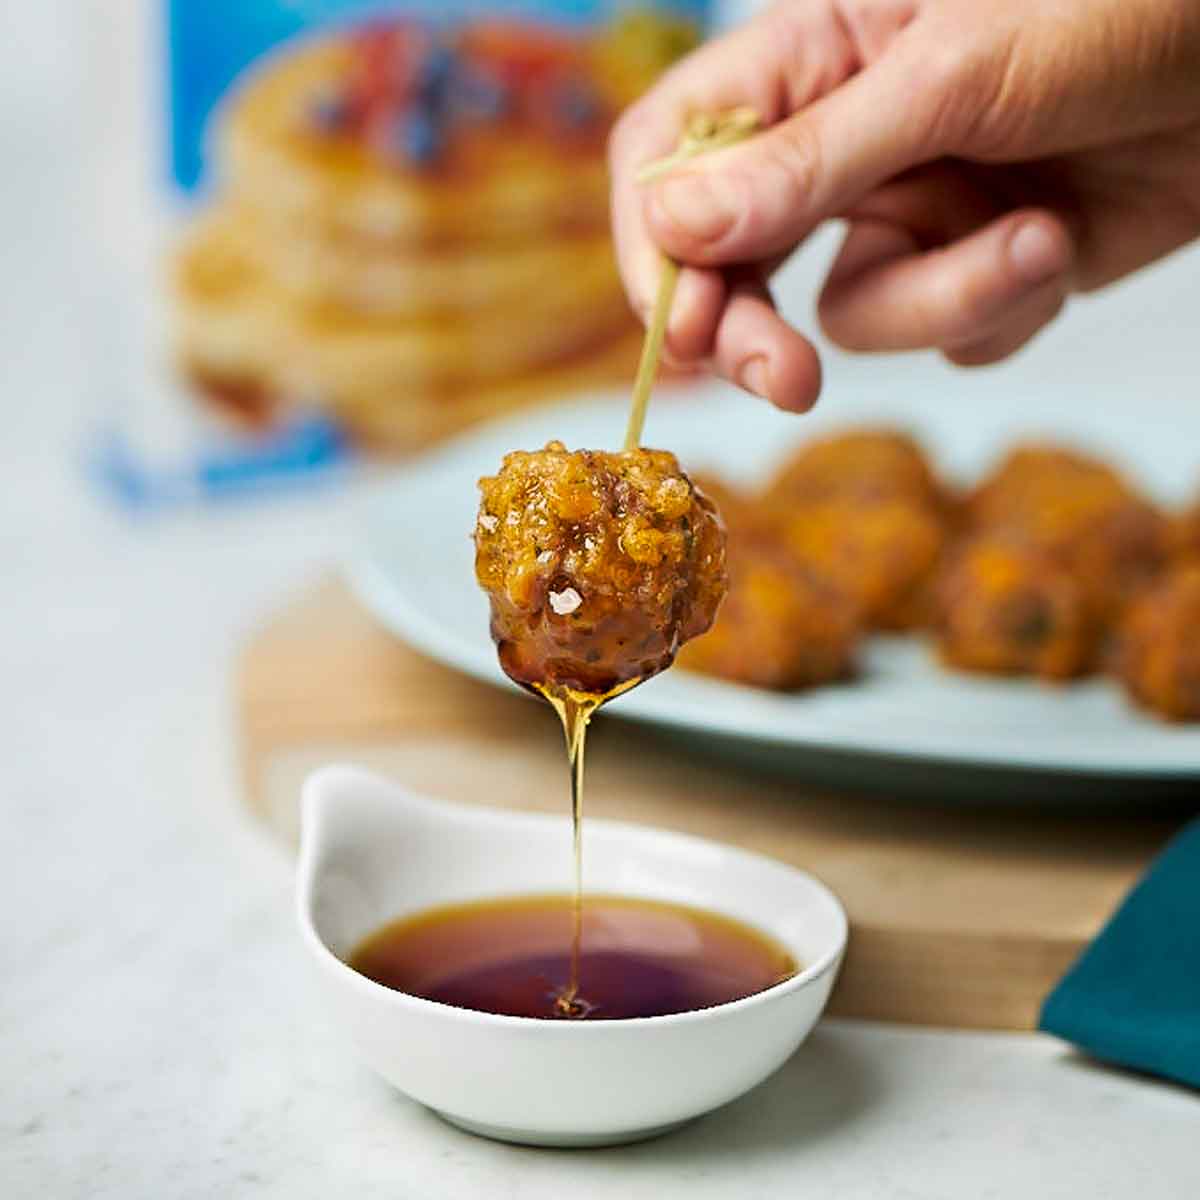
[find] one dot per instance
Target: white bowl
(372, 851)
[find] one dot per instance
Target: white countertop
(158, 1034)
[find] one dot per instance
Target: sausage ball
(881, 555)
(1158, 649)
(863, 465)
(598, 566)
(1014, 491)
(1185, 535)
(1007, 608)
(779, 628)
(1080, 512)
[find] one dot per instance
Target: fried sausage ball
(1007, 608)
(779, 628)
(881, 555)
(1158, 654)
(1015, 489)
(860, 464)
(1185, 535)
(598, 566)
(1080, 512)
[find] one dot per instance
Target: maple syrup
(625, 957)
(555, 956)
(575, 711)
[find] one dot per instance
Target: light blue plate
(907, 724)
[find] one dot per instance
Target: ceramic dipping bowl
(372, 851)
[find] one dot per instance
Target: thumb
(761, 197)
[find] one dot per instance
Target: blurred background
(187, 323)
(139, 431)
(157, 384)
(145, 234)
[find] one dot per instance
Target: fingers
(695, 315)
(937, 203)
(797, 51)
(1022, 326)
(649, 130)
(757, 349)
(1136, 206)
(985, 294)
(762, 197)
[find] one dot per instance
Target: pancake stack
(410, 226)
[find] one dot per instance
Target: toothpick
(704, 132)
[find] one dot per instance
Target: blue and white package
(390, 222)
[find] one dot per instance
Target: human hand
(988, 156)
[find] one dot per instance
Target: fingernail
(753, 376)
(1037, 252)
(695, 204)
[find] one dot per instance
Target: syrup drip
(575, 711)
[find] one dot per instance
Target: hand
(988, 156)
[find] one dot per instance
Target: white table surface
(158, 1035)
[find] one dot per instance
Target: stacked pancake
(410, 227)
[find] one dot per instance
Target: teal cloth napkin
(1133, 996)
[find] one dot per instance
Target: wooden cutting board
(959, 916)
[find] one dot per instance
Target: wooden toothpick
(704, 132)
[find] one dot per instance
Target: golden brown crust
(779, 628)
(598, 565)
(1185, 535)
(1158, 650)
(1080, 512)
(1015, 489)
(859, 464)
(1007, 608)
(881, 554)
